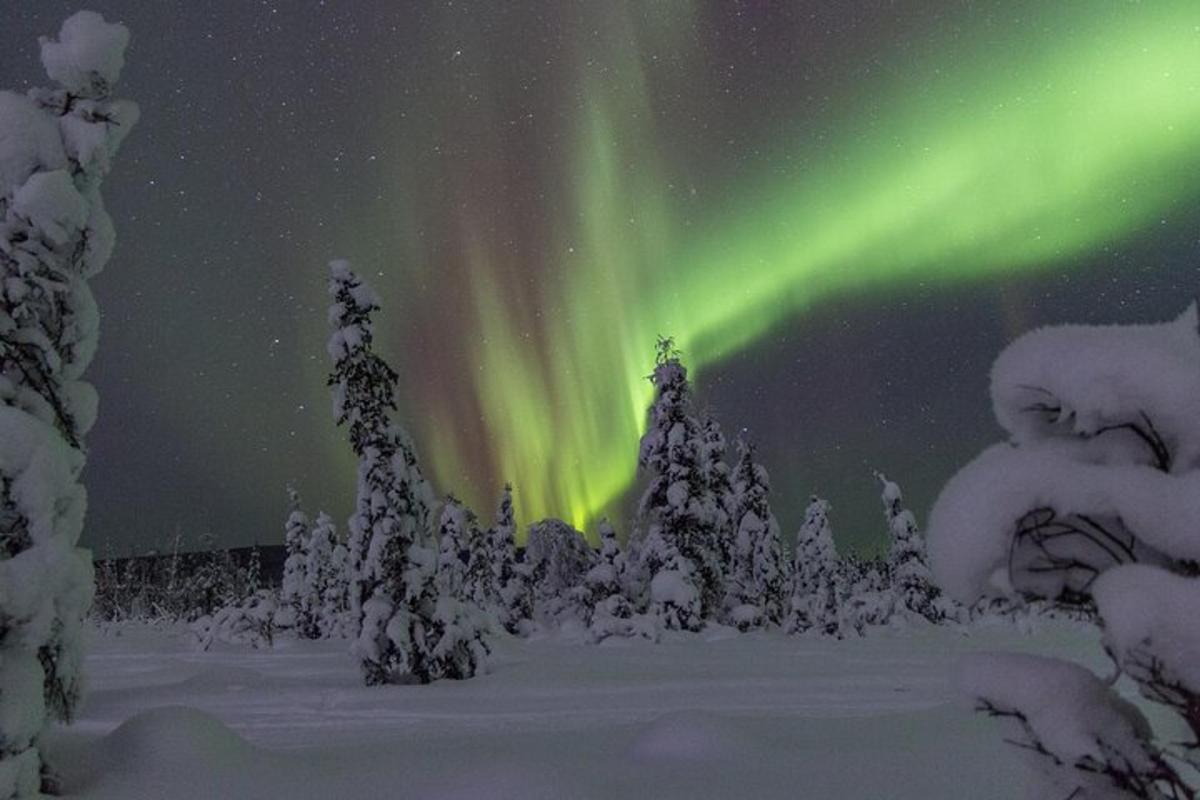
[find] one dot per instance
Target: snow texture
(760, 715)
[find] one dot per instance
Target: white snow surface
(713, 715)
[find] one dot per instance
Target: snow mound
(176, 735)
(170, 752)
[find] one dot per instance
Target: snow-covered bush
(816, 586)
(678, 514)
(56, 146)
(1094, 500)
(174, 587)
(758, 576)
(404, 630)
(251, 621)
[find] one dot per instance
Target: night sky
(841, 210)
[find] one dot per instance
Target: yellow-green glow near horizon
(994, 166)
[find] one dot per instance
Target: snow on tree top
(342, 273)
(1082, 380)
(891, 494)
(88, 55)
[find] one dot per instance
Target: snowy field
(719, 716)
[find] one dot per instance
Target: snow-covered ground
(729, 716)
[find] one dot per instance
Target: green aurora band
(999, 159)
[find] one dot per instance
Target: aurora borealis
(538, 190)
(1007, 164)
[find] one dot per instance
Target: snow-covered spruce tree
(816, 582)
(56, 146)
(335, 605)
(206, 583)
(678, 552)
(454, 552)
(297, 531)
(254, 576)
(479, 589)
(866, 591)
(1092, 502)
(321, 579)
(404, 630)
(916, 596)
(464, 562)
(558, 558)
(609, 611)
(718, 478)
(755, 590)
(510, 581)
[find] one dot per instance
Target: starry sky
(840, 210)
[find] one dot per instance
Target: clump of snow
(50, 202)
(1088, 380)
(43, 486)
(972, 524)
(1063, 714)
(87, 57)
(29, 141)
(22, 714)
(1150, 616)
